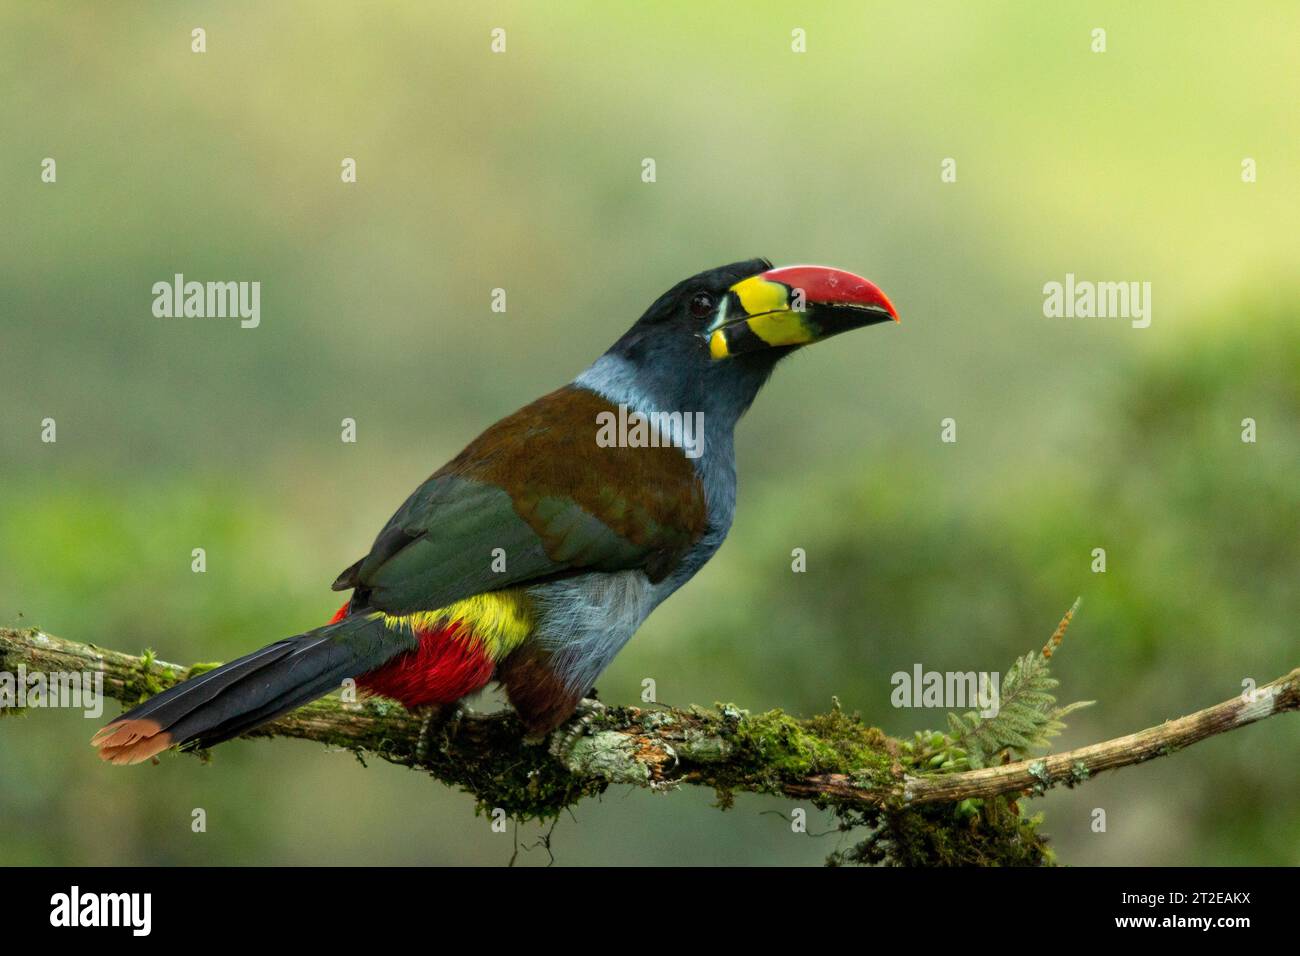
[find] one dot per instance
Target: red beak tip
(823, 284)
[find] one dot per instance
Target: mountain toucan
(534, 555)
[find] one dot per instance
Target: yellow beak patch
(781, 328)
(768, 319)
(758, 295)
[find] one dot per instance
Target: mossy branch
(831, 759)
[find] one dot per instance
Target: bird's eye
(701, 304)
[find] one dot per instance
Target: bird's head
(715, 337)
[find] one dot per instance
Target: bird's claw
(447, 718)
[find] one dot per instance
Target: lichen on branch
(917, 811)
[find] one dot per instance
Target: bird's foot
(422, 742)
(446, 718)
(456, 715)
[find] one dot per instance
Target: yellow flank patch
(498, 620)
(759, 295)
(781, 328)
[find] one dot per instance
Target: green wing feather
(537, 487)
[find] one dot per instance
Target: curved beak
(793, 306)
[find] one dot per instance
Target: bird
(533, 556)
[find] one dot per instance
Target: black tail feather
(309, 671)
(236, 697)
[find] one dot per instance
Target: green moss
(724, 746)
(197, 669)
(971, 833)
(501, 769)
(144, 681)
(733, 750)
(766, 752)
(381, 706)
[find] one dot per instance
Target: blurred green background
(522, 170)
